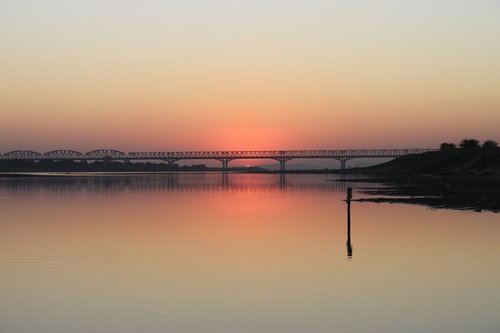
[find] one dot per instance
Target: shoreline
(456, 191)
(464, 192)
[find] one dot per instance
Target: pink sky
(261, 75)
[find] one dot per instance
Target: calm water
(237, 253)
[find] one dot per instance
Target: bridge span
(225, 157)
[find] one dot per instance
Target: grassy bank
(456, 178)
(453, 162)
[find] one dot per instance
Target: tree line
(469, 144)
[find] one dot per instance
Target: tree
(447, 146)
(469, 144)
(490, 144)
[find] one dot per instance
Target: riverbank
(462, 193)
(467, 179)
(453, 162)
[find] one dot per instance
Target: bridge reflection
(175, 182)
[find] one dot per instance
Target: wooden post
(348, 201)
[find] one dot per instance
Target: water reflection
(236, 254)
(282, 180)
(225, 179)
(177, 182)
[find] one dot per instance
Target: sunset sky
(229, 74)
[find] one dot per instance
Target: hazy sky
(229, 74)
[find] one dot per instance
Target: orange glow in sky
(225, 74)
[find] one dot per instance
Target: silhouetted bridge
(225, 157)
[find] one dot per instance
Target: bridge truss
(225, 157)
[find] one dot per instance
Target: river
(211, 252)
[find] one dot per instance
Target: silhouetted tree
(489, 144)
(469, 144)
(447, 146)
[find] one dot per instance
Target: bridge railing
(62, 154)
(22, 155)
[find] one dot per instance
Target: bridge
(282, 156)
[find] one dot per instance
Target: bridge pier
(282, 163)
(343, 163)
(171, 162)
(225, 163)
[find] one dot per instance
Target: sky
(247, 75)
